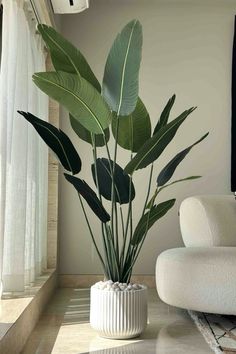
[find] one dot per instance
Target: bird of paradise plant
(93, 112)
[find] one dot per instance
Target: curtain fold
(23, 156)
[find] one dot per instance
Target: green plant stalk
(106, 236)
(109, 255)
(117, 233)
(130, 225)
(131, 205)
(122, 222)
(110, 165)
(157, 191)
(100, 197)
(131, 234)
(130, 273)
(127, 270)
(131, 221)
(122, 263)
(148, 190)
(116, 274)
(109, 160)
(128, 221)
(113, 202)
(92, 236)
(128, 257)
(138, 249)
(130, 250)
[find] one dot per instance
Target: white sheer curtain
(23, 156)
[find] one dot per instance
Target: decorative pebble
(109, 285)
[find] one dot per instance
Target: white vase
(118, 314)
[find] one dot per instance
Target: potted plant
(118, 308)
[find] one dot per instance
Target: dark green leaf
(90, 196)
(122, 182)
(154, 146)
(120, 81)
(85, 135)
(134, 129)
(65, 56)
(80, 98)
(146, 221)
(165, 115)
(168, 171)
(57, 141)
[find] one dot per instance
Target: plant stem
(122, 222)
(131, 222)
(112, 176)
(148, 190)
(113, 201)
(95, 165)
(100, 197)
(128, 221)
(107, 150)
(114, 263)
(131, 257)
(138, 249)
(92, 236)
(117, 233)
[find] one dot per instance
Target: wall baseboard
(86, 280)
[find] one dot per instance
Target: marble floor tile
(64, 329)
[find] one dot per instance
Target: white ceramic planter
(118, 314)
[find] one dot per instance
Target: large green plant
(92, 109)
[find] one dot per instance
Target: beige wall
(187, 51)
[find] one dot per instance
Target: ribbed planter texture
(118, 314)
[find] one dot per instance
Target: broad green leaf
(168, 171)
(149, 218)
(165, 115)
(90, 196)
(133, 130)
(154, 146)
(85, 135)
(122, 182)
(57, 141)
(120, 81)
(77, 95)
(66, 57)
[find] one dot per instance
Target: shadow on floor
(173, 338)
(170, 330)
(67, 307)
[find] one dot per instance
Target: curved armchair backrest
(208, 220)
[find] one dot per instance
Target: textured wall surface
(187, 51)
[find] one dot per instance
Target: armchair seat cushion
(198, 278)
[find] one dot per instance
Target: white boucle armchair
(202, 275)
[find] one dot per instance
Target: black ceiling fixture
(71, 2)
